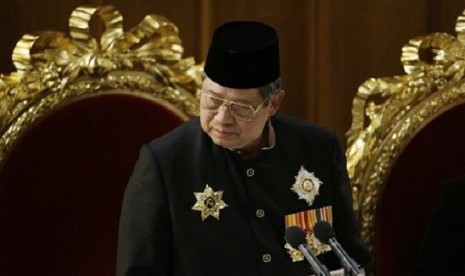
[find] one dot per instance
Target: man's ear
(275, 102)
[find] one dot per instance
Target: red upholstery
(434, 156)
(61, 188)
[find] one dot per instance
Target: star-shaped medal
(306, 185)
(209, 203)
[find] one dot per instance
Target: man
(215, 196)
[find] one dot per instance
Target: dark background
(328, 47)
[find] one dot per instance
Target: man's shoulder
(182, 135)
(300, 127)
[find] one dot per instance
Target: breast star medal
(209, 203)
(306, 185)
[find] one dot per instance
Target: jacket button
(266, 258)
(250, 172)
(260, 213)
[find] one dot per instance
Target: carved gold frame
(54, 69)
(388, 112)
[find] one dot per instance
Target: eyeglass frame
(226, 102)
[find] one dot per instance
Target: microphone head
(323, 231)
(295, 236)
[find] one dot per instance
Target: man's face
(230, 131)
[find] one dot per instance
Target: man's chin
(224, 143)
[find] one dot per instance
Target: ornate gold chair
(406, 141)
(72, 119)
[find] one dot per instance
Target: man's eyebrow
(239, 101)
(215, 93)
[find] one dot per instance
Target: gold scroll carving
(54, 67)
(388, 112)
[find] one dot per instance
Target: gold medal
(209, 203)
(313, 243)
(316, 245)
(295, 254)
(305, 220)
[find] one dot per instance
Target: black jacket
(160, 233)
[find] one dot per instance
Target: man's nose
(224, 114)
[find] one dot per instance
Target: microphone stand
(318, 268)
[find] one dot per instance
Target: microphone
(325, 233)
(296, 238)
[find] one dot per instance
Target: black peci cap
(243, 54)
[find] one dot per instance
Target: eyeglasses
(242, 112)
